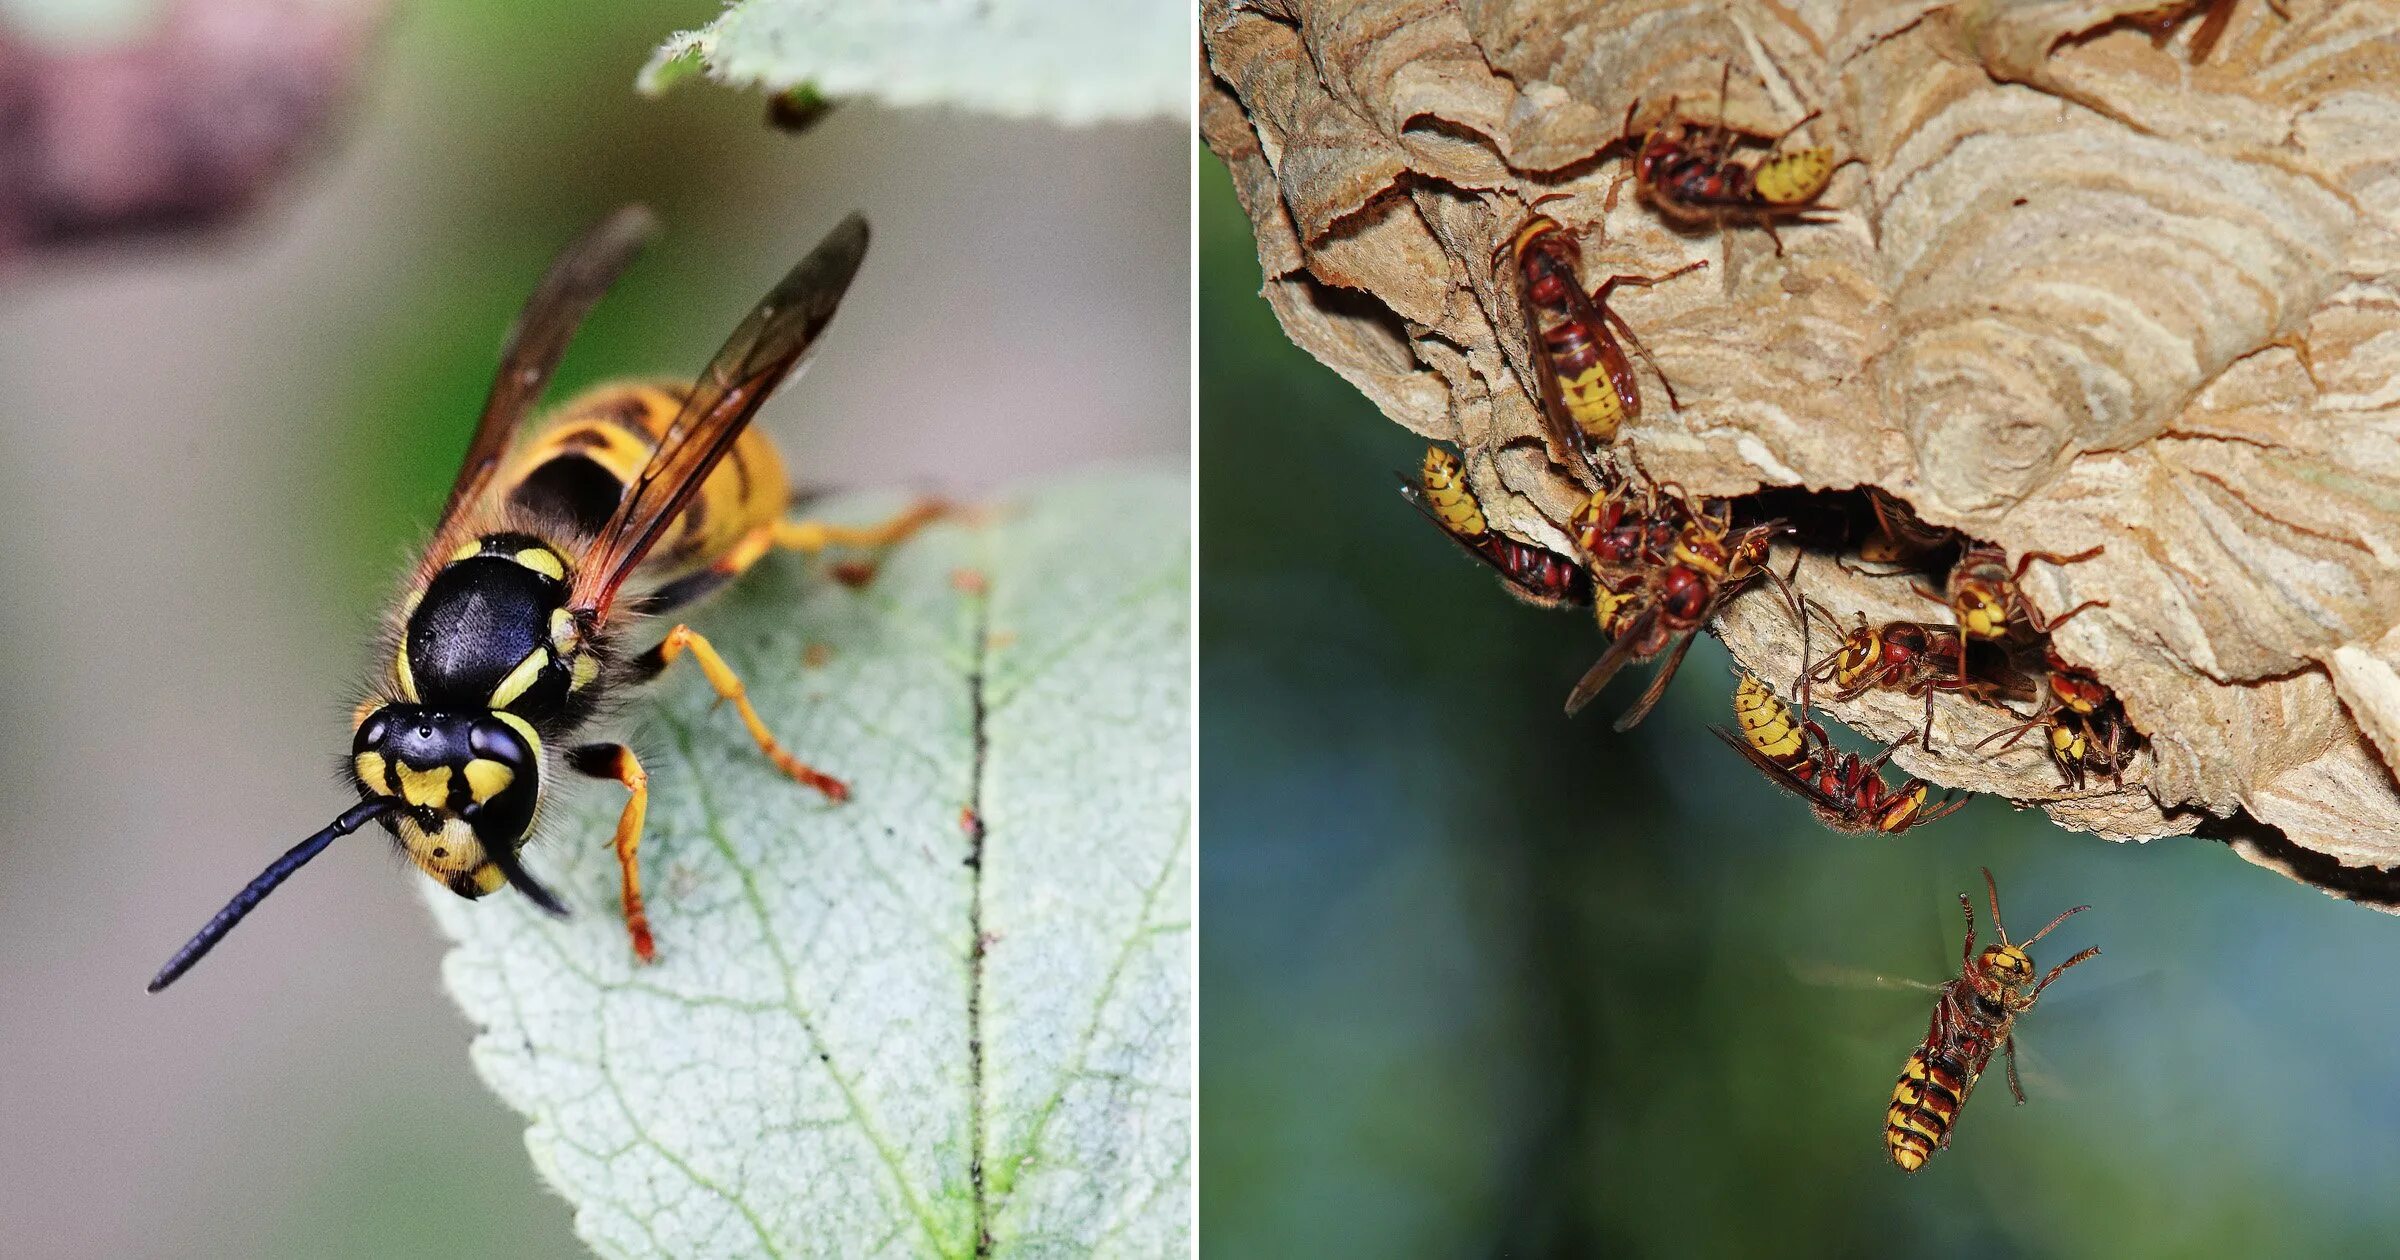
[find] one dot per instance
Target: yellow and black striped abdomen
(578, 462)
(1925, 1103)
(1766, 721)
(1446, 492)
(1795, 177)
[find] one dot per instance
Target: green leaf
(1074, 61)
(855, 1006)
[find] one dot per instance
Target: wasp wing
(1658, 685)
(770, 345)
(538, 340)
(1777, 773)
(1619, 653)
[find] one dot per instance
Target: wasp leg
(815, 536)
(2013, 1086)
(728, 686)
(617, 764)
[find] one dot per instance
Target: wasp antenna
(2063, 916)
(523, 881)
(268, 880)
(1993, 889)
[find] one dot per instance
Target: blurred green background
(1480, 981)
(220, 450)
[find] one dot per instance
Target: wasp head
(467, 784)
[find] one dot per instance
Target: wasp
(1656, 608)
(1915, 660)
(629, 501)
(1694, 174)
(1588, 390)
(2088, 731)
(1846, 792)
(1982, 593)
(1975, 1015)
(1535, 574)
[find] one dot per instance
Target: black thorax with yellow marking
(489, 663)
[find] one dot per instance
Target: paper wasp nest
(2078, 289)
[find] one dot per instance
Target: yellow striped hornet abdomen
(1974, 1016)
(1532, 573)
(630, 500)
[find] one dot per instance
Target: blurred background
(220, 450)
(1480, 981)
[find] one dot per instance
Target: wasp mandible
(629, 501)
(1975, 1015)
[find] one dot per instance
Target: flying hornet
(559, 539)
(1975, 1015)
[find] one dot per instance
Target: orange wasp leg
(816, 536)
(616, 763)
(728, 686)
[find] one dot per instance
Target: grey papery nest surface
(2076, 290)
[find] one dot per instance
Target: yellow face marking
(426, 788)
(563, 634)
(2067, 742)
(402, 674)
(408, 606)
(1792, 178)
(587, 668)
(487, 778)
(544, 561)
(488, 879)
(527, 672)
(467, 551)
(370, 767)
(1981, 615)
